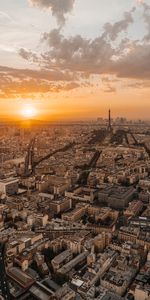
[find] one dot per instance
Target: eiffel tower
(109, 127)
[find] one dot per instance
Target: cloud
(135, 64)
(97, 56)
(4, 16)
(109, 84)
(77, 53)
(22, 82)
(28, 54)
(109, 89)
(59, 8)
(146, 16)
(138, 84)
(140, 1)
(78, 58)
(113, 30)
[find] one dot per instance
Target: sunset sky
(74, 59)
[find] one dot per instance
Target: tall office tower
(4, 287)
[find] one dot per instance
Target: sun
(28, 111)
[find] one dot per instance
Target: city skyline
(74, 60)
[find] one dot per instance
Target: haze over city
(74, 60)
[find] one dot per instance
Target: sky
(74, 59)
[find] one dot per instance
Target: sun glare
(28, 111)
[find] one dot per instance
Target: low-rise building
(61, 259)
(9, 186)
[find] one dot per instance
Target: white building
(9, 186)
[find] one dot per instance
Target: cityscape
(75, 150)
(75, 210)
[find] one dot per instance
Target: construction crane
(4, 286)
